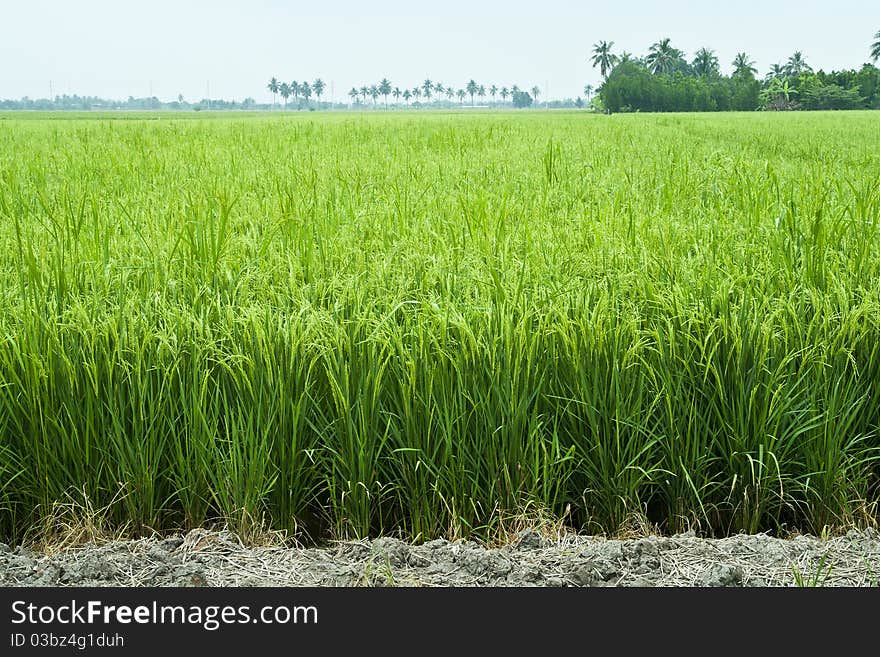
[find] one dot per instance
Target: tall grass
(347, 326)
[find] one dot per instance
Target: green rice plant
(342, 326)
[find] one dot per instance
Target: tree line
(665, 81)
(426, 93)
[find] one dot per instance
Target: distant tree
(482, 93)
(284, 90)
(439, 89)
(274, 87)
(364, 91)
(536, 91)
(493, 91)
(385, 89)
(705, 63)
(450, 93)
(461, 93)
(427, 89)
(603, 57)
(417, 93)
(318, 86)
(353, 94)
(796, 65)
(875, 48)
(504, 93)
(588, 91)
(397, 93)
(513, 90)
(776, 71)
(305, 90)
(743, 66)
(778, 96)
(472, 88)
(407, 95)
(663, 58)
(521, 99)
(374, 93)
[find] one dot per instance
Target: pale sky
(118, 48)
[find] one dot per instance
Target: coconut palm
(385, 89)
(461, 93)
(407, 95)
(318, 86)
(493, 91)
(450, 93)
(504, 93)
(482, 93)
(743, 66)
(875, 47)
(274, 86)
(417, 93)
(663, 58)
(603, 57)
(776, 71)
(588, 91)
(472, 88)
(305, 90)
(353, 94)
(295, 90)
(439, 88)
(427, 89)
(705, 63)
(284, 90)
(374, 93)
(397, 93)
(536, 91)
(364, 91)
(796, 65)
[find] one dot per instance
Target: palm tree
(364, 91)
(385, 89)
(450, 93)
(427, 89)
(588, 91)
(397, 93)
(662, 57)
(776, 71)
(875, 47)
(407, 95)
(439, 88)
(536, 91)
(504, 93)
(705, 63)
(778, 95)
(319, 86)
(284, 89)
(295, 90)
(353, 94)
(461, 94)
(472, 88)
(603, 57)
(417, 93)
(374, 93)
(796, 65)
(743, 66)
(305, 91)
(274, 87)
(493, 91)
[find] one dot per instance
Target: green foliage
(522, 99)
(351, 326)
(831, 97)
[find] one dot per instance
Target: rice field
(425, 324)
